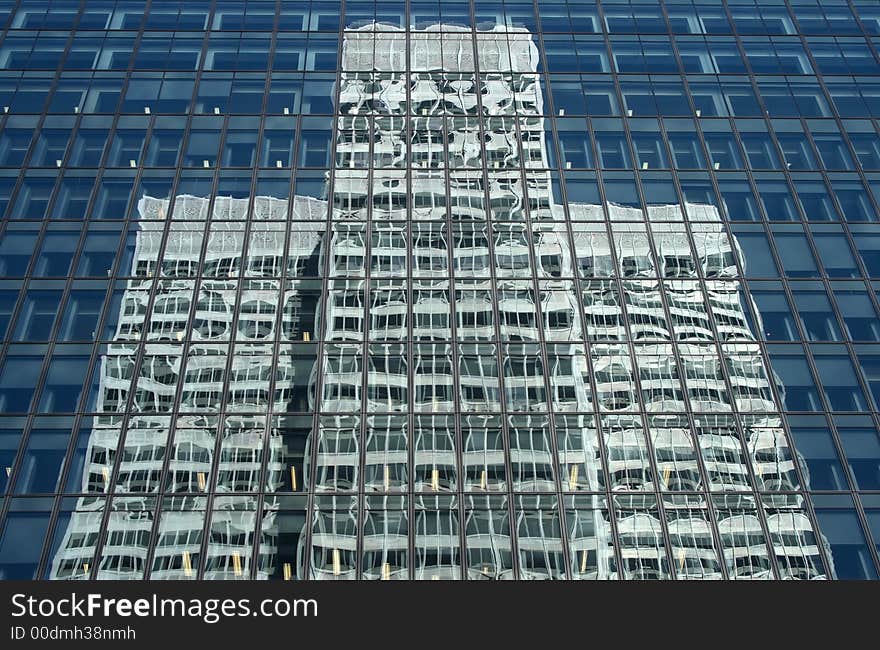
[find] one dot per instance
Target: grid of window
(439, 290)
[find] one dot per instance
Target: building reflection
(585, 399)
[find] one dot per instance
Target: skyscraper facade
(422, 290)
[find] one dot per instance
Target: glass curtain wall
(422, 290)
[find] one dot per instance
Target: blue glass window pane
(709, 99)
(849, 551)
(69, 93)
(325, 17)
(561, 56)
(284, 94)
(22, 544)
(8, 299)
(164, 148)
(81, 314)
(88, 148)
(246, 96)
(613, 151)
(758, 260)
(686, 151)
(11, 434)
(800, 393)
(18, 380)
(581, 189)
(239, 149)
(862, 449)
(103, 96)
(810, 100)
(591, 56)
(777, 201)
(39, 469)
(760, 151)
(33, 197)
(816, 315)
(867, 147)
(823, 469)
(724, 151)
(314, 148)
(126, 147)
(14, 145)
(776, 316)
(840, 383)
(36, 318)
(741, 100)
(72, 198)
(63, 384)
(857, 312)
(202, 148)
(797, 151)
(795, 254)
(50, 148)
(816, 202)
(114, 314)
(854, 201)
(16, 249)
(98, 252)
(739, 202)
(833, 151)
(574, 147)
(56, 253)
(111, 201)
(869, 362)
(317, 97)
(868, 245)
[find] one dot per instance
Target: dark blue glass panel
(21, 544)
(849, 550)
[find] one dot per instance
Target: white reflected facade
(499, 384)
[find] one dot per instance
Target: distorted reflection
(583, 397)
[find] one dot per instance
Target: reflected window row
(851, 94)
(421, 145)
(488, 538)
(179, 51)
(553, 16)
(386, 312)
(80, 194)
(208, 379)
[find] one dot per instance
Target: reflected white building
(665, 277)
(208, 346)
(586, 397)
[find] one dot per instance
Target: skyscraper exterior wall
(420, 290)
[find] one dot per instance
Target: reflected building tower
(499, 383)
(586, 395)
(228, 321)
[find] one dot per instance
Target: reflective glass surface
(472, 289)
